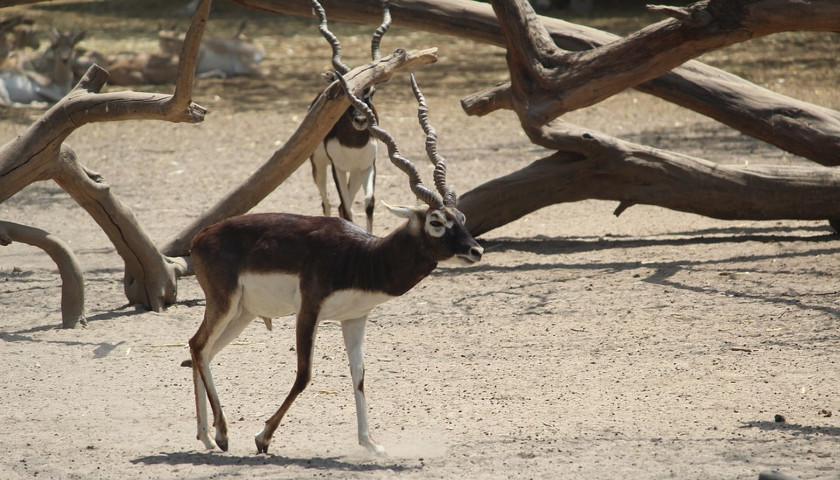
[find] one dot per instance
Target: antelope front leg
(345, 207)
(319, 175)
(370, 202)
(354, 341)
(364, 179)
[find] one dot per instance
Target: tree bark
(72, 281)
(773, 118)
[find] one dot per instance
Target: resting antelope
(219, 57)
(349, 147)
(319, 268)
(46, 78)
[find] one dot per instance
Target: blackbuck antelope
(320, 268)
(349, 148)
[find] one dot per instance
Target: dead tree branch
(592, 165)
(40, 154)
(72, 281)
(551, 81)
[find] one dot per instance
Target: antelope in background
(349, 147)
(219, 57)
(320, 268)
(42, 79)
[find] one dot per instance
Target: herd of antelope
(33, 77)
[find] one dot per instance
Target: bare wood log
(776, 119)
(150, 278)
(322, 115)
(590, 164)
(72, 281)
(551, 81)
(39, 154)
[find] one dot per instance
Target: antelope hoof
(222, 438)
(374, 448)
(262, 443)
(222, 443)
(205, 439)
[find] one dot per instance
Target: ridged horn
(332, 39)
(447, 193)
(424, 194)
(380, 32)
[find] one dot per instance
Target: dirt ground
(653, 345)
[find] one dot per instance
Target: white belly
(349, 304)
(351, 159)
(270, 295)
(273, 295)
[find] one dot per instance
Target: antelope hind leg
(306, 330)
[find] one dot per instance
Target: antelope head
(439, 223)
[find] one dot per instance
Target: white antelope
(349, 148)
(319, 268)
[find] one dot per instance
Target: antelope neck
(392, 264)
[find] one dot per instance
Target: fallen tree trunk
(40, 154)
(601, 167)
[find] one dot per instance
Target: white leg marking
(320, 164)
(354, 340)
(201, 410)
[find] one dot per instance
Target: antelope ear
(400, 210)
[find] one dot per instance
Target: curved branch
(595, 165)
(72, 281)
(548, 82)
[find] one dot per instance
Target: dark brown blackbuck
(349, 148)
(270, 265)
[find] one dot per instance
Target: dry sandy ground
(654, 345)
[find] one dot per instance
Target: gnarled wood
(72, 281)
(550, 81)
(593, 165)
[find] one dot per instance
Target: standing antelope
(320, 268)
(349, 147)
